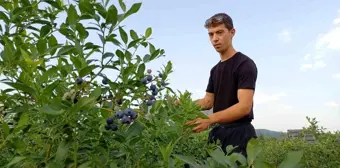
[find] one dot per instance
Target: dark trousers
(236, 134)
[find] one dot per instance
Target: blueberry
(128, 112)
(149, 102)
(79, 81)
(155, 92)
(104, 81)
(134, 115)
(109, 121)
(119, 114)
(160, 75)
(107, 127)
(152, 97)
(153, 87)
(144, 81)
(114, 127)
(149, 71)
(149, 78)
(126, 120)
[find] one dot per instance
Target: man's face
(220, 37)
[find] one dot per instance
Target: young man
(230, 90)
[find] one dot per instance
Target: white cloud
(307, 57)
(336, 21)
(329, 40)
(325, 43)
(332, 104)
(316, 64)
(285, 35)
(336, 76)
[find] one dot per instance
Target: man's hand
(202, 124)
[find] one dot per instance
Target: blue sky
(292, 42)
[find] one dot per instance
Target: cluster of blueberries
(125, 117)
(153, 88)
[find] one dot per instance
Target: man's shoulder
(214, 67)
(245, 61)
(244, 58)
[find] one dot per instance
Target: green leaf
(87, 70)
(48, 91)
(123, 35)
(134, 9)
(72, 16)
(187, 159)
(5, 129)
(151, 48)
(262, 164)
(148, 32)
(50, 110)
(52, 42)
(62, 151)
(4, 17)
(122, 5)
(108, 55)
(23, 119)
(87, 102)
(16, 160)
(219, 157)
(86, 7)
(54, 3)
(48, 73)
(42, 46)
(83, 34)
(45, 30)
(21, 86)
(76, 61)
(85, 165)
(133, 44)
(135, 129)
(141, 70)
(112, 15)
(292, 159)
(133, 35)
(253, 150)
(64, 50)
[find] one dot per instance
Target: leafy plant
(74, 103)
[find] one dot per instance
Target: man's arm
(247, 75)
(207, 102)
(237, 111)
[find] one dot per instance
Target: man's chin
(219, 50)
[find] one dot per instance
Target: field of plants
(62, 109)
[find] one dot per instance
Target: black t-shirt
(238, 72)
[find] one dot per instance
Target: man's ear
(233, 31)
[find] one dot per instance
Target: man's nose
(215, 39)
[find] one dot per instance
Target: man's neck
(227, 54)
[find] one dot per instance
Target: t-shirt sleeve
(247, 75)
(210, 87)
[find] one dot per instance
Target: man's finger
(197, 128)
(191, 122)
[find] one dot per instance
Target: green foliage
(62, 109)
(324, 152)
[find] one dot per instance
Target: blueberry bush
(70, 102)
(323, 153)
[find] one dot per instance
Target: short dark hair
(220, 18)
